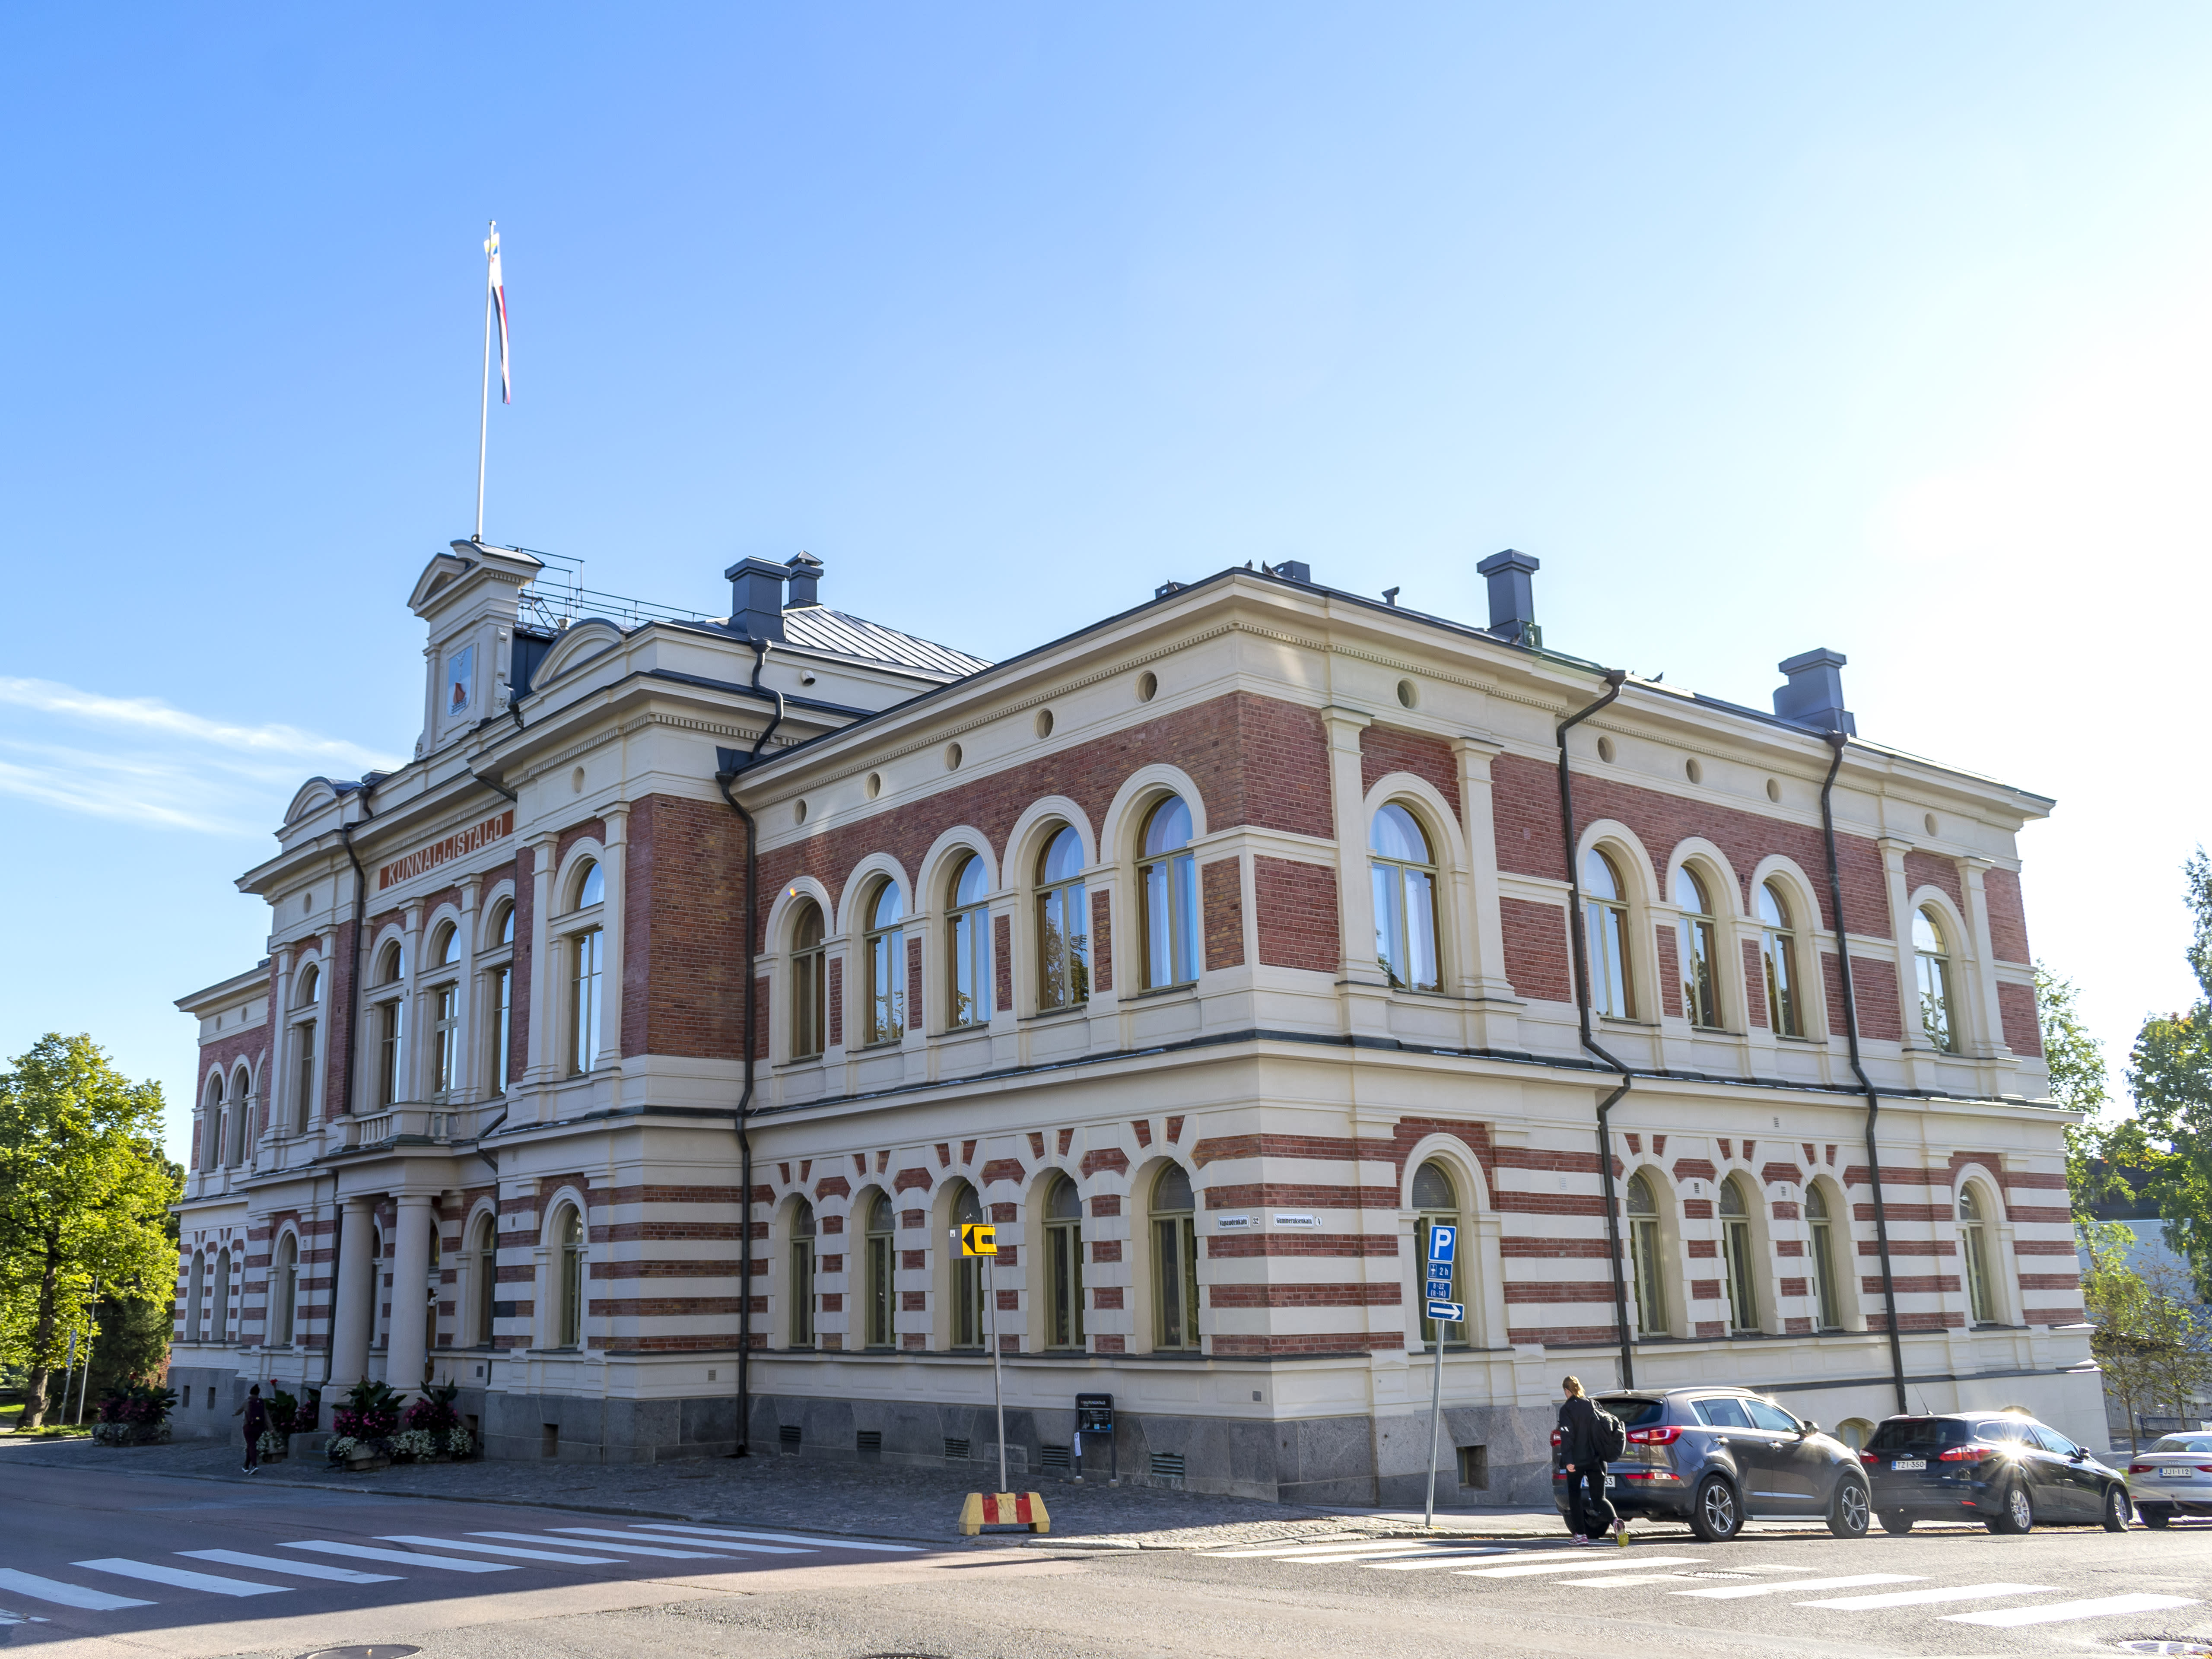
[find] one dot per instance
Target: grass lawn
(11, 1415)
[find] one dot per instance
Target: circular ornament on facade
(1407, 693)
(798, 811)
(1691, 771)
(952, 757)
(1605, 750)
(1044, 722)
(576, 781)
(1774, 789)
(875, 785)
(1148, 686)
(1929, 820)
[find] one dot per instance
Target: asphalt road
(107, 1564)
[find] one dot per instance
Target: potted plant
(362, 1428)
(284, 1422)
(435, 1431)
(134, 1413)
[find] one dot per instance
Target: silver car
(2173, 1477)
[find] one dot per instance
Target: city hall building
(630, 1056)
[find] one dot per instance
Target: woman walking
(257, 1422)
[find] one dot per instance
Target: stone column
(1366, 992)
(468, 1064)
(411, 1272)
(1987, 1036)
(352, 1310)
(1485, 975)
(614, 859)
(544, 1001)
(278, 1073)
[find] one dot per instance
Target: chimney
(805, 573)
(1296, 569)
(1814, 695)
(756, 599)
(1512, 598)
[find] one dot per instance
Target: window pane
(594, 887)
(1397, 834)
(1168, 828)
(1422, 972)
(1690, 893)
(1182, 875)
(1763, 1416)
(1771, 910)
(970, 886)
(1172, 1190)
(1926, 935)
(1432, 1189)
(1599, 879)
(1390, 924)
(1063, 858)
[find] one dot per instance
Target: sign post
(981, 1241)
(1444, 1244)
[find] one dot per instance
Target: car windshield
(1912, 1434)
(1634, 1411)
(2184, 1443)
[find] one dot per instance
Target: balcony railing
(412, 1122)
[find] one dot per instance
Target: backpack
(1608, 1434)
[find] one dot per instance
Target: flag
(499, 303)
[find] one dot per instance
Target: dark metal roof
(817, 627)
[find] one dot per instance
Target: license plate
(1910, 1463)
(2179, 1474)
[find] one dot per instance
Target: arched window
(303, 1074)
(1973, 1250)
(885, 946)
(285, 1290)
(1931, 956)
(1063, 923)
(1605, 928)
(1403, 868)
(310, 987)
(1827, 1311)
(967, 1273)
(222, 1296)
(241, 1116)
(391, 1021)
(1700, 951)
(503, 931)
(878, 1295)
(591, 886)
(1174, 1261)
(499, 1027)
(1436, 1196)
(1778, 950)
(195, 1295)
(569, 1231)
(1855, 1432)
(810, 1027)
(1063, 1266)
(1167, 887)
(967, 940)
(391, 963)
(211, 1127)
(802, 1275)
(445, 945)
(1737, 1254)
(1643, 1257)
(483, 1280)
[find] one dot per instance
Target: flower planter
(369, 1462)
(130, 1434)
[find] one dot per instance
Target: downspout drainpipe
(732, 764)
(1839, 741)
(353, 1022)
(1613, 679)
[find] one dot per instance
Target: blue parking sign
(1442, 1242)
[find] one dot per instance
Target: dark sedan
(2006, 1471)
(1716, 1457)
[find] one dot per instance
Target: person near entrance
(1589, 1513)
(257, 1420)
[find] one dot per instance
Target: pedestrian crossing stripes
(64, 1596)
(405, 1559)
(2052, 1612)
(1929, 1597)
(297, 1569)
(782, 1538)
(1776, 1587)
(1564, 1563)
(154, 1573)
(699, 1549)
(507, 1550)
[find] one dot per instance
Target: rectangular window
(1824, 1277)
(1063, 947)
(1064, 1286)
(584, 978)
(1650, 1294)
(1981, 1307)
(887, 985)
(1698, 954)
(970, 967)
(501, 1000)
(1743, 1305)
(445, 1034)
(967, 1302)
(879, 1293)
(1175, 1281)
(809, 999)
(303, 1087)
(390, 1051)
(802, 1292)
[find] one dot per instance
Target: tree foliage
(2149, 1343)
(84, 1200)
(2169, 1074)
(2076, 1062)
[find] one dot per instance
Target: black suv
(1716, 1457)
(2002, 1469)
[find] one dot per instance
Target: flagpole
(483, 417)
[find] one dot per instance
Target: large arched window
(569, 1235)
(391, 1025)
(1063, 1266)
(241, 1117)
(1436, 1196)
(1827, 1310)
(1974, 1253)
(1174, 1261)
(966, 941)
(809, 995)
(285, 1290)
(222, 1296)
(586, 973)
(1738, 1256)
(878, 1295)
(1167, 888)
(1931, 957)
(801, 1282)
(211, 1127)
(195, 1295)
(1700, 951)
(483, 1280)
(1644, 1257)
(1403, 868)
(1605, 930)
(884, 945)
(966, 1272)
(498, 1004)
(1778, 950)
(1063, 923)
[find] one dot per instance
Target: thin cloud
(152, 715)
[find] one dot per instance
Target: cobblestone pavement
(813, 1493)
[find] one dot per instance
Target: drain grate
(788, 1435)
(1056, 1457)
(955, 1450)
(1167, 1466)
(868, 1440)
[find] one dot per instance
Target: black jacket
(1578, 1432)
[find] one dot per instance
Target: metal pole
(483, 417)
(84, 1385)
(998, 1390)
(69, 1368)
(1436, 1418)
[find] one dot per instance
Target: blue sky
(1881, 328)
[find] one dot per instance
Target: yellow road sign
(977, 1240)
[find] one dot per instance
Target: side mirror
(1806, 1427)
(2079, 1453)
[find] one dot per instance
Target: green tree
(84, 1199)
(2169, 1074)
(2076, 1060)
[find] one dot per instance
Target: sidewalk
(815, 1494)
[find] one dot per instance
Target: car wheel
(2155, 1516)
(1896, 1522)
(2117, 1510)
(2016, 1511)
(1851, 1510)
(1715, 1515)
